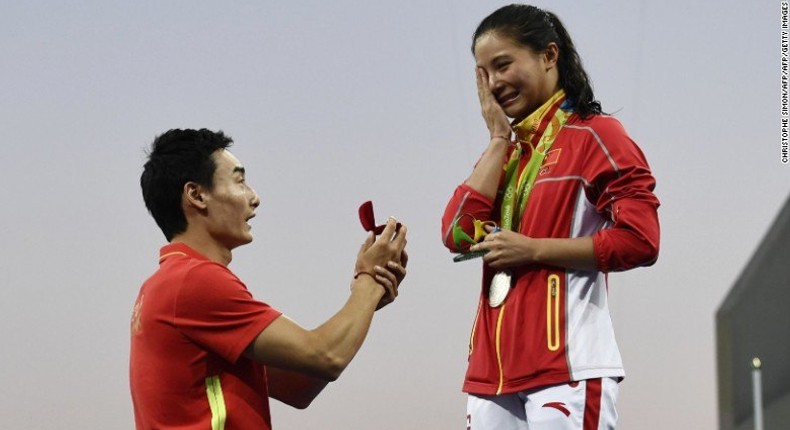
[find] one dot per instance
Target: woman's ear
(551, 55)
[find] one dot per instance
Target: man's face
(231, 203)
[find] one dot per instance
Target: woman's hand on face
(494, 116)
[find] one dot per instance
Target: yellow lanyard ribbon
(538, 130)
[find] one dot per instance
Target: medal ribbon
(538, 130)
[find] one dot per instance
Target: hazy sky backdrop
(332, 103)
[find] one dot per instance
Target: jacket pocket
(553, 312)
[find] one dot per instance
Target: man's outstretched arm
(301, 361)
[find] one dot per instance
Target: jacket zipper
(499, 349)
(553, 313)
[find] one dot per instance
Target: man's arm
(322, 354)
(293, 388)
(325, 351)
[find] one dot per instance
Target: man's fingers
(396, 269)
(404, 258)
(400, 238)
(389, 229)
(388, 280)
(367, 243)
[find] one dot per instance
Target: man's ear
(193, 195)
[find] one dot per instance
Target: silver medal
(499, 288)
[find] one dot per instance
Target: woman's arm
(510, 249)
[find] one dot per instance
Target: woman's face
(520, 79)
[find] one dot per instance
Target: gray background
(331, 104)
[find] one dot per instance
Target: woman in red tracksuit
(565, 196)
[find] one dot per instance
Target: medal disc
(499, 288)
